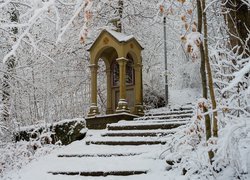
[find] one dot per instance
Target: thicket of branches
(217, 34)
(44, 64)
(44, 71)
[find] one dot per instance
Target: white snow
(121, 37)
(147, 158)
(238, 76)
(125, 139)
(154, 120)
(193, 41)
(187, 148)
(159, 131)
(37, 126)
(148, 161)
(178, 97)
(150, 123)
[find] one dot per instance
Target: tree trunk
(6, 86)
(117, 22)
(203, 72)
(203, 67)
(120, 12)
(209, 71)
(238, 23)
(8, 75)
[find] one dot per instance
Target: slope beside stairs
(124, 150)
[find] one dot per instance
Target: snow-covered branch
(247, 2)
(36, 15)
(238, 76)
(63, 29)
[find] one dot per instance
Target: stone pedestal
(122, 106)
(93, 111)
(139, 110)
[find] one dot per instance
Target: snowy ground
(38, 168)
(187, 148)
(179, 97)
(149, 159)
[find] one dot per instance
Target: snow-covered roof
(120, 37)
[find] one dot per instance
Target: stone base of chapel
(100, 121)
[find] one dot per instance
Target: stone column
(122, 104)
(109, 109)
(138, 90)
(93, 111)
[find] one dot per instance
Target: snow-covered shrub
(232, 149)
(68, 131)
(188, 148)
(65, 131)
(15, 155)
(232, 84)
(36, 141)
(153, 98)
(187, 151)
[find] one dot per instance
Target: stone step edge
(125, 143)
(175, 109)
(191, 111)
(165, 117)
(99, 173)
(136, 134)
(153, 121)
(97, 155)
(147, 124)
(145, 127)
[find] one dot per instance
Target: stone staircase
(126, 148)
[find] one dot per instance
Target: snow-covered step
(143, 133)
(102, 164)
(174, 116)
(172, 109)
(124, 141)
(98, 173)
(178, 112)
(81, 148)
(149, 176)
(165, 125)
(135, 122)
(125, 150)
(97, 155)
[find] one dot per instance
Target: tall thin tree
(9, 70)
